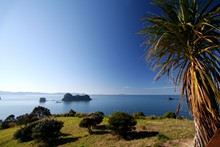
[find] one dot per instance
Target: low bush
(5, 125)
(71, 113)
(91, 120)
(169, 115)
(25, 134)
(43, 130)
(41, 111)
(88, 122)
(139, 115)
(80, 115)
(26, 119)
(121, 123)
(47, 130)
(98, 117)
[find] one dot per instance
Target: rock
(42, 100)
(170, 98)
(70, 97)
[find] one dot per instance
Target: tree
(98, 117)
(121, 123)
(185, 43)
(41, 111)
(10, 118)
(47, 130)
(88, 122)
(26, 119)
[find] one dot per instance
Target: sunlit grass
(149, 133)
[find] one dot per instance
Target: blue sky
(82, 46)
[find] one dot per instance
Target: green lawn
(168, 132)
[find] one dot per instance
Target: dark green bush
(71, 113)
(88, 122)
(42, 130)
(47, 130)
(10, 118)
(169, 115)
(10, 121)
(26, 119)
(139, 115)
(25, 134)
(5, 125)
(41, 111)
(121, 123)
(98, 117)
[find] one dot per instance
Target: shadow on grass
(61, 140)
(99, 132)
(101, 127)
(141, 135)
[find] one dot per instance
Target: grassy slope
(170, 132)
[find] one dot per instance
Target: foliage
(25, 134)
(139, 115)
(10, 118)
(42, 130)
(121, 123)
(8, 122)
(185, 43)
(71, 113)
(169, 115)
(25, 119)
(41, 111)
(81, 115)
(5, 125)
(88, 122)
(176, 130)
(97, 116)
(47, 130)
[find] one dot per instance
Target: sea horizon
(148, 104)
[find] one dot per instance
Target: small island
(42, 100)
(70, 97)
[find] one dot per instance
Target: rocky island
(42, 100)
(70, 97)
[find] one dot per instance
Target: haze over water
(148, 104)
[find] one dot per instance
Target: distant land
(36, 93)
(62, 93)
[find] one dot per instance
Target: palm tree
(185, 44)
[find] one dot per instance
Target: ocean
(19, 104)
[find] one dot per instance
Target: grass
(157, 132)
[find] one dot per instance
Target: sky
(78, 46)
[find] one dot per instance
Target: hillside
(167, 132)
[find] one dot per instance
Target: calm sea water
(148, 104)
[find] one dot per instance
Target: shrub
(71, 113)
(10, 118)
(25, 134)
(98, 117)
(47, 130)
(41, 111)
(5, 125)
(81, 115)
(42, 130)
(10, 121)
(169, 115)
(25, 119)
(139, 115)
(121, 123)
(88, 122)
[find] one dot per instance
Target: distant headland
(70, 97)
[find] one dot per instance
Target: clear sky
(82, 46)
